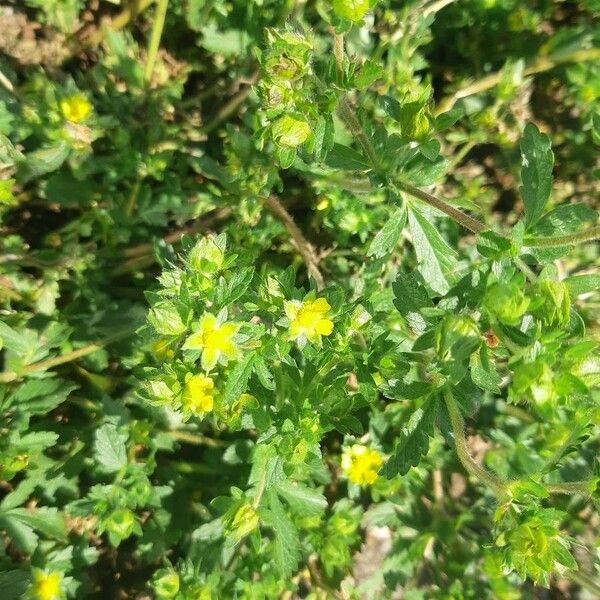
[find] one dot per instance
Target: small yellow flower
(76, 108)
(308, 319)
(215, 340)
(360, 464)
(46, 585)
(198, 394)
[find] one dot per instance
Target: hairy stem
(459, 216)
(497, 485)
(304, 248)
(539, 65)
(570, 487)
(49, 363)
(586, 235)
(154, 42)
(347, 114)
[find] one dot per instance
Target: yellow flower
(308, 319)
(215, 340)
(360, 464)
(76, 108)
(46, 585)
(198, 394)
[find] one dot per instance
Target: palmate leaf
(536, 172)
(413, 442)
(435, 257)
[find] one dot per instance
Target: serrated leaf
(238, 379)
(387, 238)
(13, 584)
(435, 257)
(342, 157)
(410, 296)
(287, 542)
(109, 448)
(369, 73)
(47, 521)
(483, 372)
(536, 173)
(413, 442)
(564, 219)
(582, 284)
(301, 498)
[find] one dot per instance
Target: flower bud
(352, 10)
(206, 257)
(290, 131)
(506, 302)
(532, 382)
(551, 302)
(120, 523)
(166, 583)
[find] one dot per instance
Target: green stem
(338, 51)
(459, 216)
(347, 114)
(570, 487)
(155, 35)
(497, 485)
(44, 365)
(539, 65)
(587, 235)
(197, 439)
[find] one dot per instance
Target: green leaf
(410, 296)
(582, 284)
(492, 245)
(238, 379)
(169, 318)
(110, 451)
(47, 521)
(483, 372)
(15, 340)
(369, 73)
(567, 218)
(387, 238)
(536, 172)
(287, 542)
(435, 257)
(342, 157)
(44, 161)
(301, 498)
(413, 441)
(13, 584)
